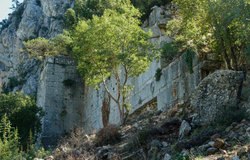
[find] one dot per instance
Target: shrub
(139, 140)
(158, 74)
(108, 135)
(169, 51)
(13, 82)
(9, 144)
(231, 114)
(188, 57)
(23, 113)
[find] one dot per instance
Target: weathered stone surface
(42, 19)
(184, 129)
(222, 88)
(212, 150)
(62, 102)
(167, 157)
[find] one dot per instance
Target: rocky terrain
(204, 115)
(173, 134)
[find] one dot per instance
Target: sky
(5, 8)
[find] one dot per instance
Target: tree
(15, 4)
(113, 45)
(216, 27)
(23, 113)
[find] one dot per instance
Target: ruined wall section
(175, 86)
(61, 95)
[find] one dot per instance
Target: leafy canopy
(115, 39)
(23, 114)
(216, 27)
(113, 44)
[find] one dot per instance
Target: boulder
(212, 150)
(219, 143)
(235, 158)
(159, 16)
(219, 89)
(167, 157)
(184, 129)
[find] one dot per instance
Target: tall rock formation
(33, 18)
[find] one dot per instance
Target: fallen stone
(219, 143)
(212, 150)
(211, 143)
(184, 129)
(155, 143)
(243, 152)
(220, 88)
(204, 147)
(167, 157)
(228, 129)
(215, 136)
(235, 158)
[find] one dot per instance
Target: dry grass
(108, 135)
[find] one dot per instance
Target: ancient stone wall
(175, 86)
(60, 94)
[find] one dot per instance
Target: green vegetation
(10, 148)
(158, 74)
(216, 27)
(23, 114)
(13, 82)
(230, 114)
(85, 11)
(110, 45)
(169, 52)
(9, 141)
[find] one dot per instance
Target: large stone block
(222, 88)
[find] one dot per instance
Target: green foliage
(41, 48)
(23, 113)
(180, 157)
(158, 74)
(9, 141)
(169, 51)
(188, 58)
(231, 114)
(111, 44)
(140, 139)
(13, 82)
(114, 44)
(70, 18)
(217, 27)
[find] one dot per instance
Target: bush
(169, 51)
(108, 135)
(23, 114)
(158, 74)
(230, 114)
(140, 139)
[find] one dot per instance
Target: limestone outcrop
(33, 18)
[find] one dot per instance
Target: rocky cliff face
(33, 18)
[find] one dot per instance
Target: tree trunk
(115, 100)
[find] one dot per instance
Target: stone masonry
(60, 94)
